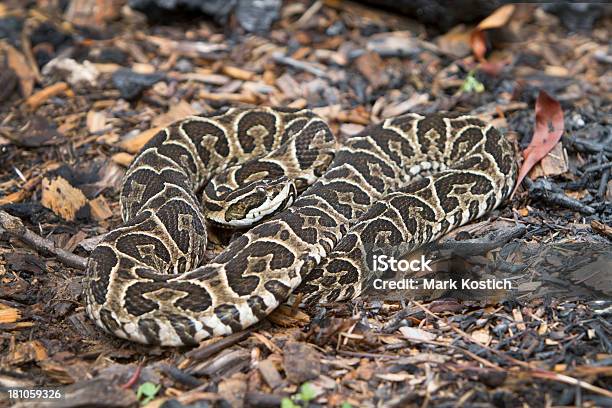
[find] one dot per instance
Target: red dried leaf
(478, 42)
(548, 131)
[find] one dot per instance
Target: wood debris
(87, 85)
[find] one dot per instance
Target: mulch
(82, 94)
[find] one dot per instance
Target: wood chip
(238, 73)
(34, 101)
(416, 335)
(96, 121)
(100, 209)
(395, 377)
(122, 158)
(134, 144)
(288, 86)
(371, 66)
(518, 318)
(93, 13)
(270, 374)
(233, 390)
(456, 42)
(176, 112)
(229, 97)
(482, 336)
(602, 228)
(396, 109)
(28, 352)
(62, 198)
(9, 314)
(12, 198)
(288, 317)
(301, 362)
(18, 62)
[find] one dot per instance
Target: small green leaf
(148, 390)
(346, 405)
(287, 403)
(471, 84)
(307, 392)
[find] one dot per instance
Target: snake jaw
(255, 203)
(273, 203)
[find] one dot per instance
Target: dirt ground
(81, 94)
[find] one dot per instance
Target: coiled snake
(409, 179)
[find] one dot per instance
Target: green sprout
(471, 84)
(307, 393)
(147, 392)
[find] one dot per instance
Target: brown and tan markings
(407, 180)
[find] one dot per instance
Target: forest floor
(69, 129)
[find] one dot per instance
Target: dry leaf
(498, 18)
(553, 164)
(456, 42)
(478, 39)
(548, 131)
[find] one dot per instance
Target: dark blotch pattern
(158, 200)
(101, 263)
(256, 121)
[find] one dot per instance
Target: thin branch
(14, 227)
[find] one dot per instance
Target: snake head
(249, 204)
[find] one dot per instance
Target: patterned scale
(145, 279)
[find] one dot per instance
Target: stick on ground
(14, 227)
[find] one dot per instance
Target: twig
(597, 167)
(207, 350)
(308, 14)
(395, 321)
(301, 65)
(14, 227)
(583, 145)
(484, 244)
(544, 190)
(26, 47)
(258, 399)
(549, 375)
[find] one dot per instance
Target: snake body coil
(409, 179)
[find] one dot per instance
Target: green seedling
(300, 400)
(146, 392)
(471, 84)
